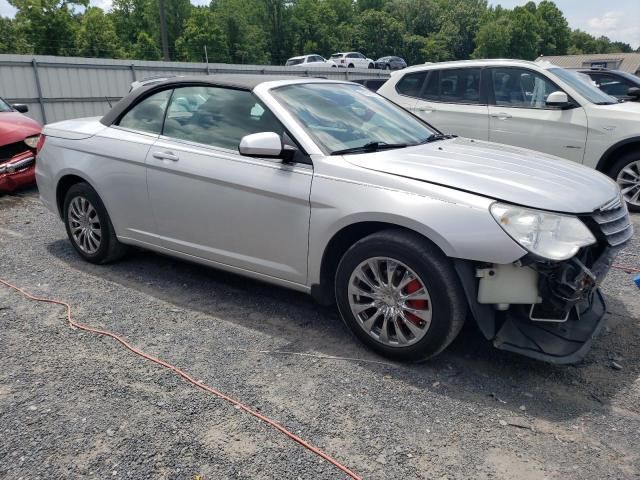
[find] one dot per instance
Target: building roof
(627, 62)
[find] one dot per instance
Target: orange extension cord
(188, 378)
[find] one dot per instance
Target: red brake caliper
(414, 286)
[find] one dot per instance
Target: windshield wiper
(435, 137)
(369, 147)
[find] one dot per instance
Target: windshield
(342, 116)
(294, 61)
(582, 84)
(4, 106)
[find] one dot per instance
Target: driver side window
(519, 87)
(215, 116)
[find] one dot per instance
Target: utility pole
(206, 58)
(163, 32)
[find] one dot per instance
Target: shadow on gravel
(470, 369)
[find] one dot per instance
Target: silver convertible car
(327, 188)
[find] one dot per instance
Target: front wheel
(370, 65)
(626, 173)
(89, 227)
(351, 65)
(399, 295)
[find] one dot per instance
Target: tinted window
(610, 84)
(217, 116)
(147, 115)
(411, 84)
(584, 86)
(517, 87)
(460, 85)
(294, 61)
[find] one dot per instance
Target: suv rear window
(411, 84)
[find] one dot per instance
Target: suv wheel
(350, 65)
(400, 295)
(370, 65)
(626, 172)
(89, 227)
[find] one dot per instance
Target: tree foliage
(270, 31)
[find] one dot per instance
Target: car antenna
(107, 99)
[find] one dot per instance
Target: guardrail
(59, 88)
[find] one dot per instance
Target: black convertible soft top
(241, 82)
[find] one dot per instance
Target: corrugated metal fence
(58, 88)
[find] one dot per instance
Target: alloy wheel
(390, 301)
(629, 182)
(84, 224)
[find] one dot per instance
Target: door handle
(501, 115)
(166, 156)
(426, 109)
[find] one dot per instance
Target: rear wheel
(89, 227)
(400, 295)
(370, 65)
(626, 173)
(350, 65)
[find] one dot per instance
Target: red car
(18, 141)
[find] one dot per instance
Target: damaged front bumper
(549, 311)
(17, 172)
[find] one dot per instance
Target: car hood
(511, 174)
(15, 127)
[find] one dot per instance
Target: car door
(518, 114)
(453, 101)
(211, 202)
(120, 154)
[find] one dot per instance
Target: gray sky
(618, 20)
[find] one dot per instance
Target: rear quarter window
(411, 84)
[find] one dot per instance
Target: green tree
(145, 48)
(525, 38)
(176, 11)
(200, 30)
(554, 32)
(130, 19)
(47, 26)
(378, 34)
(494, 39)
(10, 40)
(96, 36)
(241, 23)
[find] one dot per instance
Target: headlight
(32, 142)
(549, 235)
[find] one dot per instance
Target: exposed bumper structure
(561, 326)
(18, 172)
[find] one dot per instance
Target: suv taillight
(40, 144)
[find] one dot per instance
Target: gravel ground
(75, 405)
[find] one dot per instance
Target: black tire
(434, 269)
(350, 65)
(109, 248)
(370, 65)
(617, 167)
(387, 67)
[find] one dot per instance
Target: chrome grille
(613, 222)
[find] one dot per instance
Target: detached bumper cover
(18, 172)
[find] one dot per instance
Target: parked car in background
(622, 85)
(390, 63)
(534, 105)
(352, 60)
(310, 61)
(372, 84)
(18, 140)
(324, 187)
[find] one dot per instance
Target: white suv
(310, 61)
(533, 105)
(352, 60)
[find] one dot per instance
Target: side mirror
(263, 144)
(19, 107)
(634, 92)
(558, 99)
